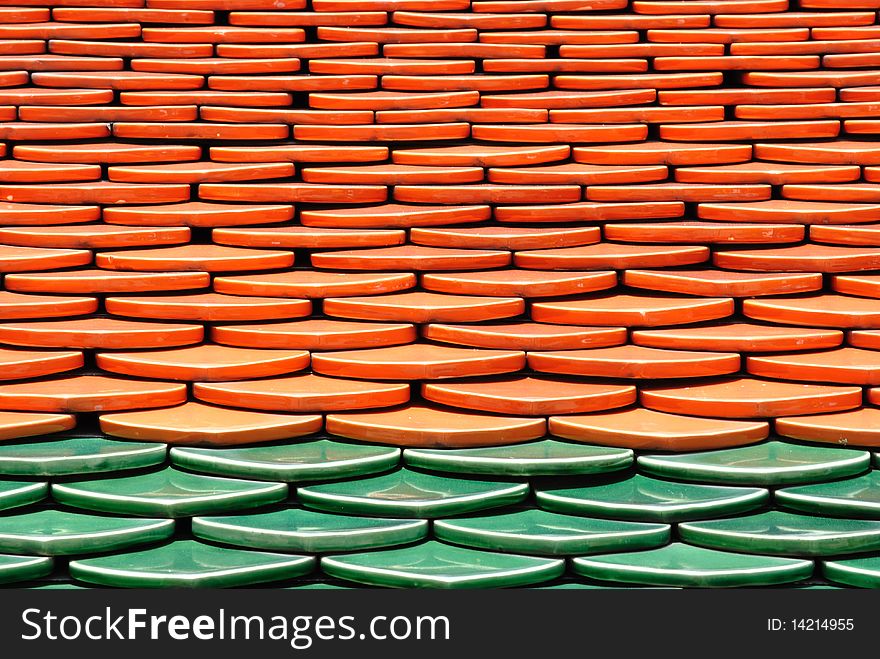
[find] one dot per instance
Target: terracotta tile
(662, 153)
(846, 192)
(530, 396)
(199, 131)
(704, 232)
(474, 155)
(649, 115)
(80, 45)
(634, 362)
(411, 257)
(577, 174)
(207, 307)
(108, 113)
(481, 83)
(772, 173)
(100, 192)
(98, 333)
(419, 307)
(611, 256)
(525, 336)
(16, 171)
(859, 427)
(106, 152)
(505, 237)
(557, 99)
(520, 283)
(23, 131)
(645, 429)
(133, 14)
(739, 337)
(803, 258)
(569, 49)
(194, 424)
(281, 116)
(639, 81)
(488, 193)
(304, 393)
(795, 19)
(23, 47)
(385, 100)
(15, 425)
(38, 96)
(394, 216)
(51, 30)
(299, 237)
(383, 132)
(689, 192)
(633, 310)
(198, 214)
(720, 282)
(18, 306)
(426, 427)
(19, 364)
(207, 362)
(217, 65)
(19, 259)
(548, 5)
(738, 63)
(840, 366)
(749, 130)
(293, 83)
(862, 286)
(416, 362)
(561, 37)
(699, 6)
(821, 310)
(589, 211)
(728, 35)
(459, 49)
(799, 78)
(480, 21)
(105, 281)
(548, 133)
(566, 65)
(90, 236)
(204, 96)
(329, 31)
(297, 153)
(315, 284)
(787, 210)
(392, 174)
(301, 50)
(89, 393)
(294, 192)
(314, 334)
(863, 339)
(205, 258)
(198, 172)
(737, 398)
(805, 111)
(117, 80)
(220, 34)
(631, 21)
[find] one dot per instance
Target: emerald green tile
(649, 499)
(542, 532)
(17, 493)
(59, 586)
(406, 493)
(190, 564)
(22, 568)
(81, 455)
(852, 497)
(435, 565)
(859, 572)
(318, 586)
(61, 533)
(684, 565)
(585, 586)
(768, 463)
(295, 529)
(168, 493)
(786, 534)
(304, 461)
(544, 458)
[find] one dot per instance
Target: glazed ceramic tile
(849, 497)
(62, 533)
(647, 499)
(407, 493)
(546, 533)
(785, 534)
(21, 493)
(545, 457)
(683, 565)
(860, 572)
(298, 530)
(189, 564)
(769, 463)
(22, 568)
(435, 565)
(167, 493)
(82, 455)
(320, 459)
